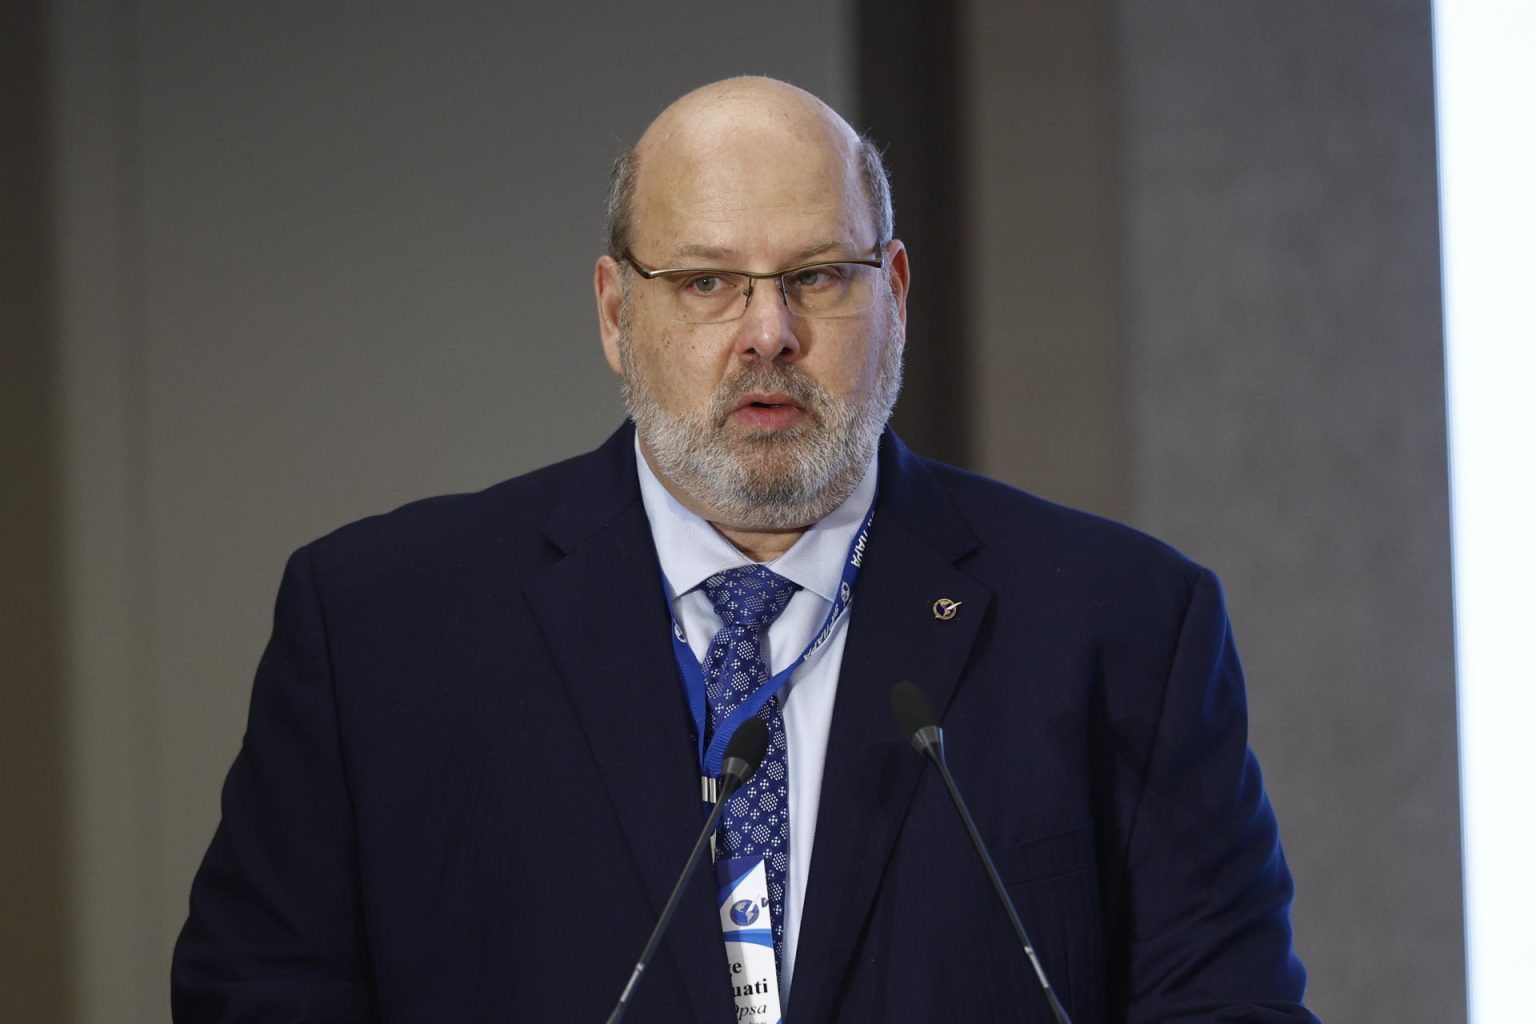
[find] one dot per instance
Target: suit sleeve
(275, 931)
(1208, 894)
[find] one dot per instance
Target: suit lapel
(603, 615)
(871, 772)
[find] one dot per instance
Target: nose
(766, 329)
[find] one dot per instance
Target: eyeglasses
(706, 295)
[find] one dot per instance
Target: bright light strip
(1485, 52)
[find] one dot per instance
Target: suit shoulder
(1046, 539)
(499, 524)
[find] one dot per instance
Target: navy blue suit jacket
(468, 781)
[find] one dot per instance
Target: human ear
(608, 287)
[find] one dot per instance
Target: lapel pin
(944, 609)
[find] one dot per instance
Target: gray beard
(783, 480)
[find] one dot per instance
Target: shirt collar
(691, 550)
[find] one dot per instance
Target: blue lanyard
(693, 673)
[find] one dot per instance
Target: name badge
(746, 923)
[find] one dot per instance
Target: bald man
(474, 759)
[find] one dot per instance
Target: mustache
(767, 377)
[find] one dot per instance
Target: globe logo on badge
(744, 912)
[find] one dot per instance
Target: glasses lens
(708, 298)
(830, 289)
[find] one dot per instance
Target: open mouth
(768, 401)
(768, 411)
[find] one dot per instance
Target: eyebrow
(722, 257)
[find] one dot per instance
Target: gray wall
(1209, 306)
(308, 261)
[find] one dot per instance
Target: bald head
(746, 105)
(741, 141)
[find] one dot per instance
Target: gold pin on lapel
(944, 609)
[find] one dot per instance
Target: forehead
(749, 189)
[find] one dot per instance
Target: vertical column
(910, 89)
(1046, 370)
(117, 957)
(34, 924)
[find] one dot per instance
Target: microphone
(916, 720)
(742, 756)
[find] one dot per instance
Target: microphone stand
(916, 719)
(742, 756)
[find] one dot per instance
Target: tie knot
(749, 596)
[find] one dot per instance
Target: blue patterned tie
(756, 819)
